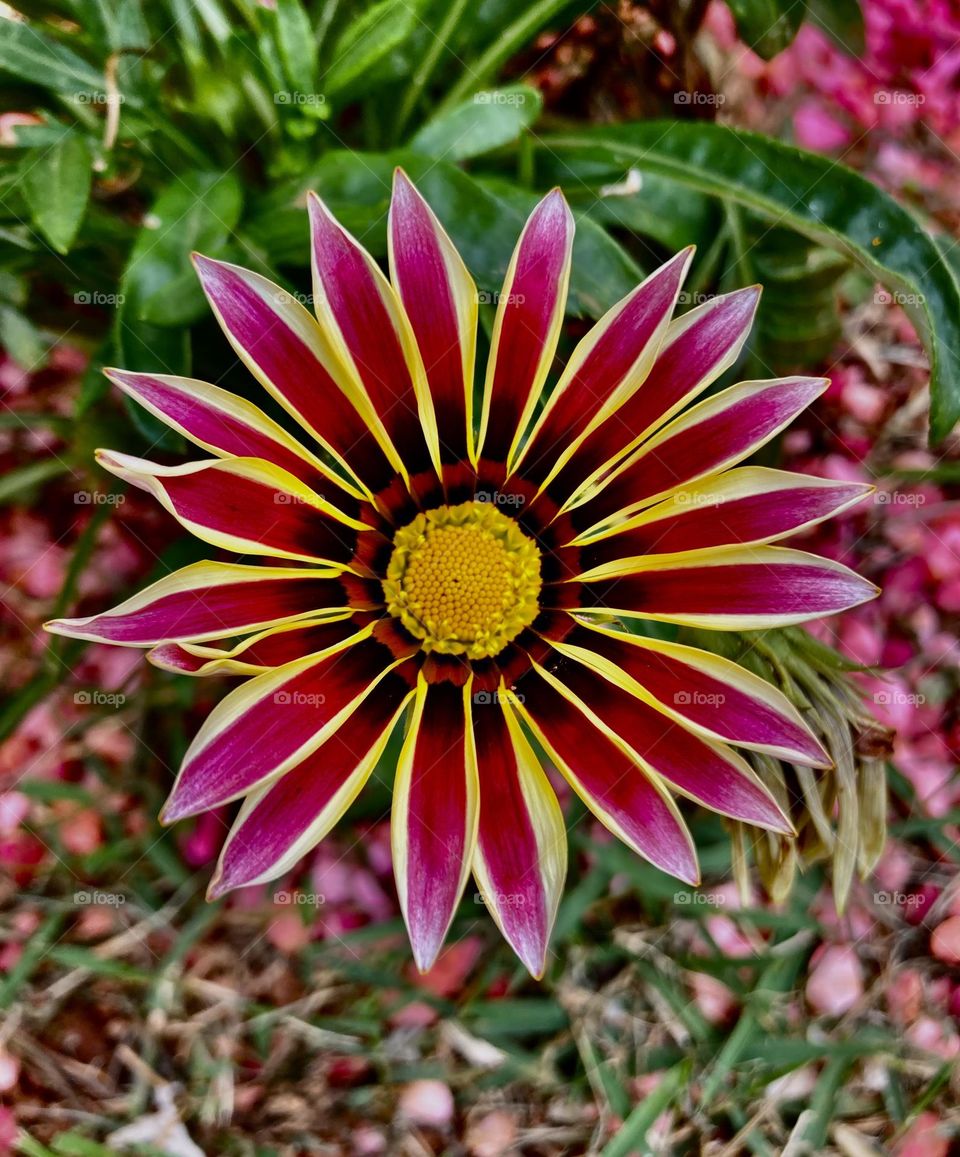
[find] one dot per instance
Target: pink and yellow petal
(365, 324)
(708, 694)
(697, 349)
(520, 860)
(620, 790)
(261, 652)
(208, 600)
(707, 439)
(750, 505)
(285, 349)
(439, 298)
(526, 328)
(605, 369)
(225, 424)
(435, 812)
(709, 773)
(245, 505)
(274, 721)
(730, 589)
(281, 822)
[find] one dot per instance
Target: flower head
(471, 567)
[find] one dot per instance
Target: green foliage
(172, 126)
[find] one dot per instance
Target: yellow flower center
(465, 579)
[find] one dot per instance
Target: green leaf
(29, 54)
(18, 483)
(485, 122)
(297, 45)
(842, 21)
(367, 40)
(814, 196)
(768, 26)
(198, 211)
(56, 186)
(20, 338)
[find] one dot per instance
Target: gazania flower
(464, 564)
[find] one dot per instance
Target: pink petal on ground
(836, 981)
(926, 1137)
(428, 1103)
(945, 941)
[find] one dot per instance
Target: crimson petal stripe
(520, 860)
(208, 600)
(617, 788)
(714, 434)
(435, 812)
(748, 505)
(697, 349)
(712, 696)
(272, 722)
(281, 822)
(731, 588)
(214, 499)
(605, 369)
(440, 300)
(526, 327)
(285, 349)
(709, 773)
(225, 424)
(359, 312)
